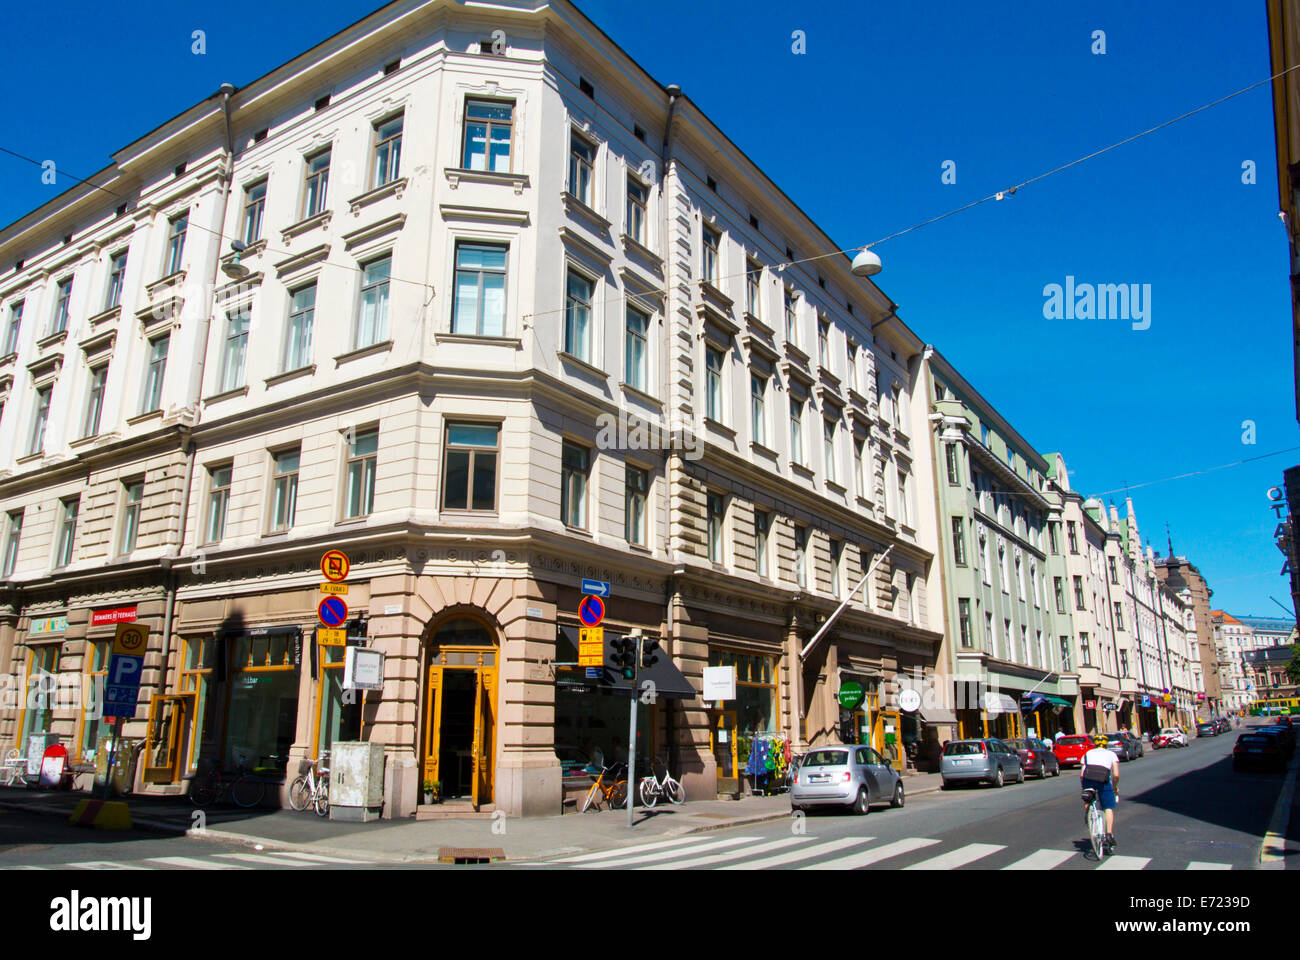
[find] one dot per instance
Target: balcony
(1089, 676)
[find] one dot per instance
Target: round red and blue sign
(591, 611)
(333, 611)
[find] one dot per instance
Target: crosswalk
(276, 859)
(713, 851)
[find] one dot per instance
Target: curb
(1274, 848)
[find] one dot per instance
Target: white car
(1169, 737)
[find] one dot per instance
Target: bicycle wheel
(323, 798)
(205, 790)
(673, 791)
(618, 795)
(1096, 829)
(247, 793)
(300, 794)
(649, 792)
(592, 799)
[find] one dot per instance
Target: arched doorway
(461, 709)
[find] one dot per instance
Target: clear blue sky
(856, 131)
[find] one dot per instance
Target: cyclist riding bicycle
(1100, 771)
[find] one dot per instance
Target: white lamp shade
(866, 264)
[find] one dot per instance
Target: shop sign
(363, 669)
(1090, 704)
(851, 695)
(48, 625)
(591, 646)
(1110, 706)
(909, 700)
(100, 618)
(719, 683)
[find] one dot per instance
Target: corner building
(507, 314)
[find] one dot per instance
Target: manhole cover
(470, 854)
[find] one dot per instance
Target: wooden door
(485, 736)
(165, 738)
(432, 724)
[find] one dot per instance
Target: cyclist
(1100, 770)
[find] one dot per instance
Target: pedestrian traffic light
(623, 656)
(649, 653)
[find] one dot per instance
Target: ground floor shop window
(196, 678)
(38, 694)
(752, 712)
(263, 702)
(92, 699)
(338, 711)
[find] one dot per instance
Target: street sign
(598, 587)
(334, 565)
(851, 695)
(334, 589)
(333, 612)
(591, 646)
(595, 673)
(591, 611)
(332, 638)
(125, 665)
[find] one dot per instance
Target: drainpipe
(674, 455)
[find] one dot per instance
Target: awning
(1000, 703)
(1040, 700)
(667, 680)
(938, 716)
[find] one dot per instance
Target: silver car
(989, 761)
(845, 776)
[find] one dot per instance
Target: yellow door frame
(178, 747)
(720, 723)
(483, 747)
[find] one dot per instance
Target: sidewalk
(398, 841)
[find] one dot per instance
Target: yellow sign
(591, 646)
(332, 638)
(131, 639)
(338, 589)
(334, 565)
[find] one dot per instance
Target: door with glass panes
(460, 713)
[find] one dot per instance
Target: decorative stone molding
(456, 175)
(393, 188)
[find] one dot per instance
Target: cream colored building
(476, 240)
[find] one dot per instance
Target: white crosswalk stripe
(217, 861)
(1042, 860)
(668, 854)
(867, 857)
(638, 848)
(103, 865)
(262, 858)
(715, 858)
(959, 857)
(194, 863)
(316, 857)
(803, 853)
(1208, 865)
(1116, 862)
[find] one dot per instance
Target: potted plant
(432, 788)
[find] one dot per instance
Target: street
(1180, 809)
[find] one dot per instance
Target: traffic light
(649, 653)
(623, 656)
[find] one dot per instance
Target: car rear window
(1017, 744)
(1072, 741)
(965, 749)
(1254, 739)
(826, 758)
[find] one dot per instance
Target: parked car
(1036, 757)
(1169, 737)
(1207, 728)
(989, 760)
(1256, 749)
(1070, 750)
(1285, 736)
(1118, 744)
(845, 776)
(1133, 744)
(1223, 723)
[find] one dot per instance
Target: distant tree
(1293, 668)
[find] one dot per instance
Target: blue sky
(856, 131)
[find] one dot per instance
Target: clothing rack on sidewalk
(769, 762)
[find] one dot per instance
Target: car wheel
(862, 805)
(997, 780)
(1058, 771)
(1042, 771)
(898, 795)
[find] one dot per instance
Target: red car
(1070, 750)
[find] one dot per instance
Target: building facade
(1182, 576)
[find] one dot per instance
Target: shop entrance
(726, 751)
(460, 712)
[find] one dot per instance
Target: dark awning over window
(669, 682)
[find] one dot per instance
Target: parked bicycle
(244, 789)
(607, 788)
(1095, 818)
(652, 787)
(312, 789)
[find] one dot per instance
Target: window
(42, 670)
(828, 432)
(235, 350)
(1078, 593)
(1033, 581)
(1053, 536)
(1003, 569)
(1065, 653)
(95, 666)
(791, 320)
(479, 305)
(959, 541)
(762, 529)
(1119, 615)
(984, 435)
(176, 244)
(582, 156)
(758, 408)
(577, 316)
(823, 344)
(388, 152)
(62, 305)
(372, 326)
(1114, 574)
(359, 497)
(796, 430)
(859, 456)
(284, 489)
(11, 332)
(316, 184)
(218, 503)
(12, 541)
(717, 515)
(575, 462)
(67, 532)
(1123, 663)
(853, 367)
(801, 556)
(134, 491)
(986, 558)
(837, 552)
(635, 349)
(904, 498)
(963, 620)
(988, 631)
(902, 411)
(712, 241)
(753, 273)
(297, 340)
(713, 358)
(469, 474)
(116, 277)
(40, 419)
(1073, 536)
(254, 207)
(1024, 645)
(954, 465)
(154, 373)
(1020, 579)
(636, 485)
(488, 129)
(637, 193)
(95, 401)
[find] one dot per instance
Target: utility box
(356, 781)
(37, 743)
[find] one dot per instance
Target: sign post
(631, 735)
(122, 685)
